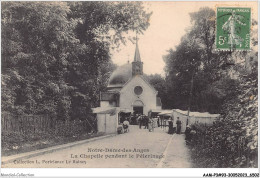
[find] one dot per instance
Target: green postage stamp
(233, 28)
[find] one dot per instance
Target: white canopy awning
(108, 110)
(104, 110)
(196, 114)
(165, 113)
(156, 110)
(125, 110)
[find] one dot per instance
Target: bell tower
(137, 64)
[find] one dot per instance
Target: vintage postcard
(124, 84)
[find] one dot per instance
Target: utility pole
(191, 88)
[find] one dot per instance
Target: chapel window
(138, 90)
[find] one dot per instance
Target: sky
(167, 25)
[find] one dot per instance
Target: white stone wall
(128, 97)
(104, 104)
(107, 123)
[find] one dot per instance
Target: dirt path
(136, 149)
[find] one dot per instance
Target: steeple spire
(137, 64)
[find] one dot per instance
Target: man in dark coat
(158, 121)
(178, 122)
(140, 120)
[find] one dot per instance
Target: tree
(159, 83)
(36, 46)
(55, 55)
(196, 59)
(101, 26)
(225, 82)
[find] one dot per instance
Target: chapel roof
(120, 76)
(123, 73)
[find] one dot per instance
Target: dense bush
(232, 141)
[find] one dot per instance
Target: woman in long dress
(150, 125)
(170, 131)
(155, 122)
(178, 122)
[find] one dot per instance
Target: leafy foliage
(159, 83)
(55, 55)
(196, 58)
(224, 82)
(233, 141)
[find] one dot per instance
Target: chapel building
(129, 90)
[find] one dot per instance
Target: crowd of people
(148, 122)
(142, 120)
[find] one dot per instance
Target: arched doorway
(138, 107)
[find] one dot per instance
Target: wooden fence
(43, 124)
